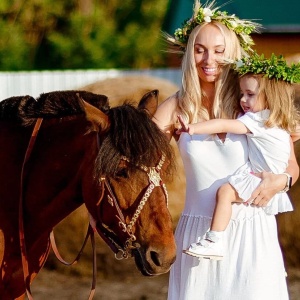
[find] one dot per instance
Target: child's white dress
(269, 150)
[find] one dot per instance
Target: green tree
(72, 34)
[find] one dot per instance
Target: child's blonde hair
(279, 96)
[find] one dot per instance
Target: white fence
(36, 82)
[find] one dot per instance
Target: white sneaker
(206, 249)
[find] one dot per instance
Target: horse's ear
(96, 116)
(149, 102)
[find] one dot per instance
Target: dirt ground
(55, 286)
(50, 285)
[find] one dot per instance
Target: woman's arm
(293, 167)
(274, 183)
(213, 126)
(165, 117)
(296, 135)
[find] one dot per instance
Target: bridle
(123, 249)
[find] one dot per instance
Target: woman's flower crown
(275, 67)
(207, 13)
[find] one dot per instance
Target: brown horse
(113, 160)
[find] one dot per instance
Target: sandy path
(55, 286)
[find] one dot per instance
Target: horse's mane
(25, 109)
(134, 135)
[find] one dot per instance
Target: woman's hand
(270, 185)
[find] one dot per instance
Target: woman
(254, 270)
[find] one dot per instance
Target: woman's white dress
(269, 150)
(253, 267)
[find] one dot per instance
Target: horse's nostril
(155, 258)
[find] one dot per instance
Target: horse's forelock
(134, 135)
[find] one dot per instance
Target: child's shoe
(206, 249)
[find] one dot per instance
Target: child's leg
(226, 195)
(211, 246)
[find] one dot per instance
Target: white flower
(233, 24)
(207, 12)
(239, 64)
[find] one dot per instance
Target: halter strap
(24, 256)
(89, 234)
(123, 250)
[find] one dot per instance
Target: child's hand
(184, 126)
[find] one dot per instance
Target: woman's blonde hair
(190, 98)
(279, 97)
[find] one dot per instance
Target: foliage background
(81, 34)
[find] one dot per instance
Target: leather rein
(122, 249)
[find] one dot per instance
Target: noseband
(123, 240)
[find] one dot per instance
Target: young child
(267, 99)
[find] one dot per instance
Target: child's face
(250, 100)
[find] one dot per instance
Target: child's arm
(213, 126)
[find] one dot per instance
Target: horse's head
(133, 161)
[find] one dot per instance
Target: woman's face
(208, 49)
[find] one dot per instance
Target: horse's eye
(122, 172)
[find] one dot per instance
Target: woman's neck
(208, 89)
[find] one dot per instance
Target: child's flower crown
(275, 67)
(242, 28)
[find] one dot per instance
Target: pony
(68, 148)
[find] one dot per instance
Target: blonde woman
(255, 268)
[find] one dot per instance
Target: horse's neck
(54, 185)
